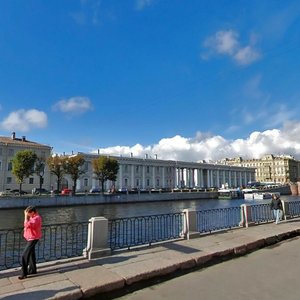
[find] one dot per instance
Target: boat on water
(249, 193)
(228, 194)
(256, 194)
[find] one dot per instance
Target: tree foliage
(72, 165)
(105, 168)
(55, 164)
(23, 165)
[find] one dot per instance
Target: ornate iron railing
(210, 220)
(58, 241)
(145, 230)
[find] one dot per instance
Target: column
(143, 177)
(132, 177)
(153, 177)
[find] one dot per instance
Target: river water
(13, 218)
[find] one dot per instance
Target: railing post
(286, 209)
(246, 216)
(97, 244)
(190, 223)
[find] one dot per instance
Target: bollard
(97, 245)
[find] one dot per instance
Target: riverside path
(110, 277)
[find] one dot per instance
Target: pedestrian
(276, 206)
(32, 234)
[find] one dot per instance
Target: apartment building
(9, 146)
(270, 168)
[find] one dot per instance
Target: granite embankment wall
(58, 200)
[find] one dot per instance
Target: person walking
(276, 206)
(32, 234)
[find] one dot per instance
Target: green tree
(72, 165)
(23, 165)
(55, 164)
(40, 170)
(105, 168)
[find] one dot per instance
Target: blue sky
(184, 79)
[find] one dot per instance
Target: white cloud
(223, 42)
(88, 12)
(74, 105)
(246, 55)
(226, 42)
(142, 4)
(24, 120)
(211, 148)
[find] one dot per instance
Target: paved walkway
(79, 278)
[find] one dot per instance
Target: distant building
(9, 146)
(270, 168)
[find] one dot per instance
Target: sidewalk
(78, 278)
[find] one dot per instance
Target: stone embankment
(58, 200)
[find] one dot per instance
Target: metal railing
(58, 241)
(69, 240)
(261, 213)
(145, 230)
(210, 220)
(294, 209)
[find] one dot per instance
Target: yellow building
(270, 168)
(9, 146)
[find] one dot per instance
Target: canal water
(13, 218)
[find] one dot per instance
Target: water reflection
(13, 218)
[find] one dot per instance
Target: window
(0, 151)
(85, 182)
(31, 180)
(8, 180)
(9, 166)
(10, 152)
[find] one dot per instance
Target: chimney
(13, 135)
(23, 138)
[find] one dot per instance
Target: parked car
(39, 191)
(95, 190)
(17, 192)
(66, 192)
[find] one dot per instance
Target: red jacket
(33, 228)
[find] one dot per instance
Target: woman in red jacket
(32, 234)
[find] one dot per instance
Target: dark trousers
(28, 258)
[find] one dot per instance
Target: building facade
(147, 173)
(270, 168)
(9, 146)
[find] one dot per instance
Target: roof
(20, 141)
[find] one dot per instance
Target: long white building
(148, 173)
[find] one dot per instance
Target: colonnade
(147, 174)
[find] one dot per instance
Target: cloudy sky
(183, 80)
